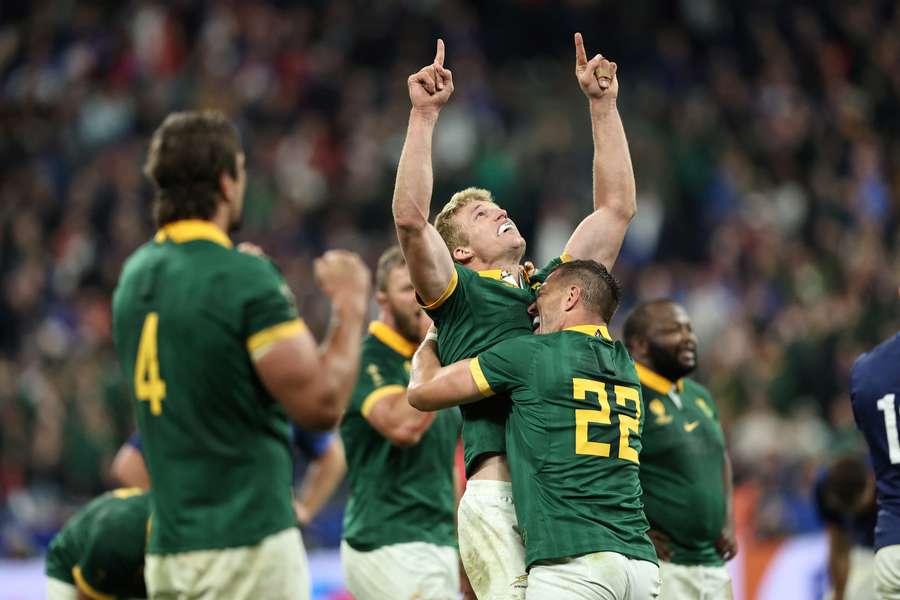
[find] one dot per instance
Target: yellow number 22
(583, 418)
(147, 384)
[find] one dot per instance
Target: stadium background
(765, 144)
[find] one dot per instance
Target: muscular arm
(599, 236)
(395, 419)
(315, 384)
(322, 477)
(430, 264)
(433, 387)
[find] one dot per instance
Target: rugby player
(465, 269)
(399, 537)
(685, 471)
(574, 438)
(844, 495)
(210, 340)
(874, 391)
(99, 553)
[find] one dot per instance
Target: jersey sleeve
(312, 444)
(539, 276)
(376, 380)
(134, 440)
(504, 367)
(270, 312)
(110, 557)
(453, 300)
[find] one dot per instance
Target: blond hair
(389, 260)
(450, 232)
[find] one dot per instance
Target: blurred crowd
(765, 139)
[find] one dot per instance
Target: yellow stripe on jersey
(259, 342)
(564, 257)
(86, 588)
(392, 339)
(480, 380)
(382, 392)
(188, 230)
(451, 287)
(591, 330)
(655, 381)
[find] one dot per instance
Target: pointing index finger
(580, 56)
(439, 55)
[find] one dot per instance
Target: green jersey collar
(392, 339)
(189, 230)
(591, 330)
(657, 382)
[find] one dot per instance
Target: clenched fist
(431, 86)
(344, 278)
(597, 77)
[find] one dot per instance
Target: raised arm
(599, 236)
(429, 261)
(314, 384)
(433, 387)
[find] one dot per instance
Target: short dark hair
(188, 153)
(638, 321)
(390, 259)
(600, 291)
(844, 483)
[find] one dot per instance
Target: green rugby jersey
(188, 312)
(681, 467)
(101, 549)
(574, 438)
(475, 312)
(397, 495)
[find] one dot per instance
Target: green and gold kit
(681, 467)
(188, 314)
(475, 312)
(574, 440)
(101, 548)
(397, 495)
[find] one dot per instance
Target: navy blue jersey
(875, 395)
(311, 445)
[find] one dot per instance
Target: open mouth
(505, 227)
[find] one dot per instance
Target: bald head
(659, 335)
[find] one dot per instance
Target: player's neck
(578, 318)
(508, 265)
(221, 218)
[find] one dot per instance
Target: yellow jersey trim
(382, 392)
(655, 381)
(392, 339)
(86, 588)
(480, 380)
(565, 257)
(262, 339)
(451, 287)
(591, 330)
(189, 230)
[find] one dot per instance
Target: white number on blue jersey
(886, 404)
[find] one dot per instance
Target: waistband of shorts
(488, 487)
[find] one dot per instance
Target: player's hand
(251, 249)
(527, 269)
(726, 545)
(597, 77)
(431, 86)
(344, 278)
(661, 541)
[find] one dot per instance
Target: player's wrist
(601, 107)
(426, 114)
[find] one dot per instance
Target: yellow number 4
(583, 418)
(147, 384)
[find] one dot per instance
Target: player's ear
(462, 254)
(572, 297)
(381, 298)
